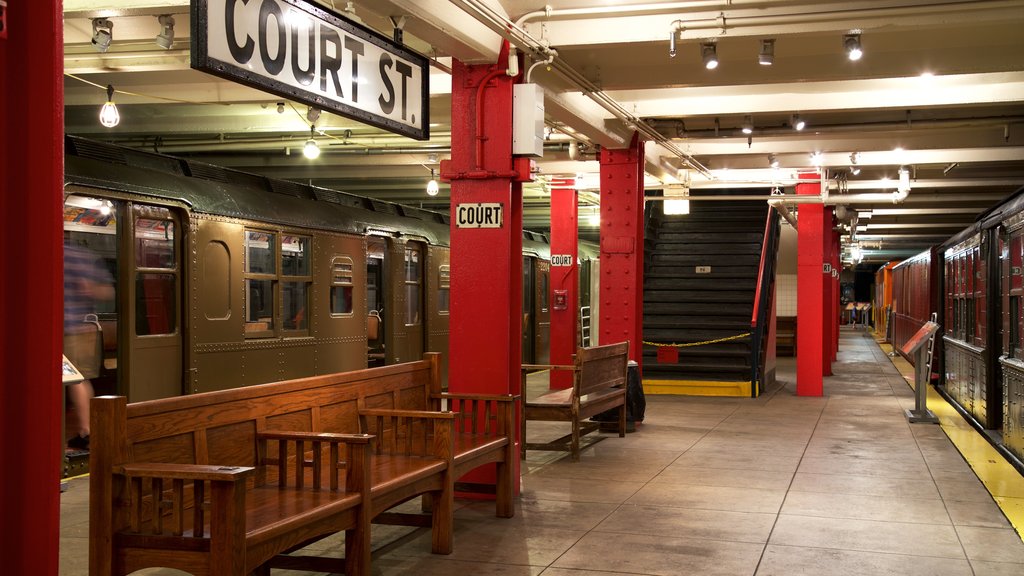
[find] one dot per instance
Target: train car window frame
(444, 284)
(295, 283)
(413, 285)
(155, 231)
(263, 326)
(342, 287)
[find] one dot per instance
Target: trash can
(636, 404)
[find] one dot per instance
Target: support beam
(810, 295)
(565, 279)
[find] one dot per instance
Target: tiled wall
(785, 294)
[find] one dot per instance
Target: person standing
(86, 282)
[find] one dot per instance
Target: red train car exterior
(915, 298)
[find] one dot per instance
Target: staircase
(701, 273)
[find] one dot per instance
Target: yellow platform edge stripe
(739, 389)
(1001, 479)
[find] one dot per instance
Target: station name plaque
(303, 52)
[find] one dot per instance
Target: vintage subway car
(226, 279)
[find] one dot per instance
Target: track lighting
(854, 169)
(748, 125)
(852, 44)
(773, 161)
(767, 55)
(432, 184)
(165, 39)
(109, 115)
(797, 123)
(102, 34)
(709, 54)
(311, 150)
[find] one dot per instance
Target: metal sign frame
(201, 60)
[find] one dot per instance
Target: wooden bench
(599, 384)
(785, 336)
(235, 452)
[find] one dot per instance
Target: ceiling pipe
(677, 129)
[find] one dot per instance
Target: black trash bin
(636, 404)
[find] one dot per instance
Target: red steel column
(31, 184)
(810, 296)
(485, 342)
(837, 268)
(565, 278)
(828, 323)
(622, 247)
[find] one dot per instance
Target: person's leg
(81, 393)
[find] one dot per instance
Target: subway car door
(153, 262)
(408, 337)
(528, 312)
(437, 296)
(542, 314)
(378, 324)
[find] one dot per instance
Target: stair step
(697, 237)
(718, 272)
(696, 282)
(683, 249)
(704, 260)
(699, 308)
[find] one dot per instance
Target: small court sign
(303, 52)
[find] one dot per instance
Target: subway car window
(444, 289)
(413, 280)
(341, 286)
(260, 248)
(295, 282)
(156, 271)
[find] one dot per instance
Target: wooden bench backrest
(601, 367)
(220, 427)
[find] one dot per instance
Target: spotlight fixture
(767, 55)
(854, 169)
(165, 39)
(852, 44)
(797, 123)
(432, 184)
(313, 114)
(904, 185)
(816, 158)
(109, 115)
(773, 161)
(311, 150)
(709, 54)
(280, 107)
(748, 125)
(102, 34)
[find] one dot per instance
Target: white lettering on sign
(307, 53)
(479, 215)
(703, 269)
(561, 260)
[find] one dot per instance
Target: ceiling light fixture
(767, 55)
(773, 161)
(311, 150)
(748, 125)
(109, 116)
(854, 169)
(165, 39)
(852, 44)
(797, 123)
(432, 187)
(816, 158)
(102, 34)
(709, 54)
(904, 185)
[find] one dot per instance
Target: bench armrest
(407, 413)
(163, 508)
(547, 367)
(410, 432)
(356, 468)
(478, 397)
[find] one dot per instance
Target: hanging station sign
(300, 51)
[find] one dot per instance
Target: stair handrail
(765, 275)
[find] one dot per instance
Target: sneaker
(79, 443)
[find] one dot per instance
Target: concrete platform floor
(779, 485)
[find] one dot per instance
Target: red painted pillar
(565, 278)
(622, 247)
(810, 296)
(837, 268)
(487, 263)
(31, 184)
(828, 291)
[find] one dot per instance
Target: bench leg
(443, 518)
(575, 443)
(622, 421)
(504, 493)
(357, 545)
(522, 435)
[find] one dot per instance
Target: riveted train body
(974, 284)
(226, 279)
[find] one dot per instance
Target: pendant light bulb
(311, 150)
(432, 187)
(109, 115)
